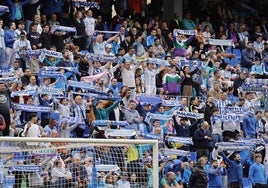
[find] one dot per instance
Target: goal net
(60, 163)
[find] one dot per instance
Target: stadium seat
(227, 60)
(234, 61)
(237, 53)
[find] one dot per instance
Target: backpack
(2, 123)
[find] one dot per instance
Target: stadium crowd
(198, 85)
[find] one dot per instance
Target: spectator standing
(89, 27)
(80, 37)
(198, 178)
(79, 172)
(236, 170)
(2, 45)
(34, 37)
(10, 38)
(248, 56)
(202, 139)
(257, 174)
(215, 174)
(16, 12)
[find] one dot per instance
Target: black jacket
(198, 178)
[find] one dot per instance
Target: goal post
(110, 158)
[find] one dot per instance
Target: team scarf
(234, 146)
(92, 78)
(55, 74)
(63, 29)
(6, 73)
(54, 69)
(81, 85)
(177, 32)
(107, 168)
(88, 95)
(228, 117)
(51, 53)
(171, 103)
(120, 132)
(90, 5)
(51, 91)
(23, 93)
(150, 116)
(255, 85)
(102, 58)
(110, 98)
(152, 136)
(44, 153)
(105, 123)
(234, 110)
(153, 100)
(72, 120)
(157, 61)
(109, 32)
(9, 79)
(189, 114)
(31, 108)
(190, 63)
(31, 53)
(25, 168)
(4, 8)
(176, 152)
(219, 42)
(182, 140)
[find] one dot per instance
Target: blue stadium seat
(234, 61)
(227, 60)
(237, 53)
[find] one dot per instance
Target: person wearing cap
(248, 56)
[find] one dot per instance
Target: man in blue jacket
(215, 174)
(236, 170)
(15, 8)
(257, 174)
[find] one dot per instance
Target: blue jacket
(9, 38)
(250, 125)
(236, 169)
(52, 6)
(215, 176)
(257, 174)
(12, 8)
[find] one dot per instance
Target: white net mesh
(63, 164)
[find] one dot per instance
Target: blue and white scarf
(31, 108)
(90, 5)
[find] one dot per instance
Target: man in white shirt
(2, 44)
(90, 27)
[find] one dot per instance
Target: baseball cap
(108, 46)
